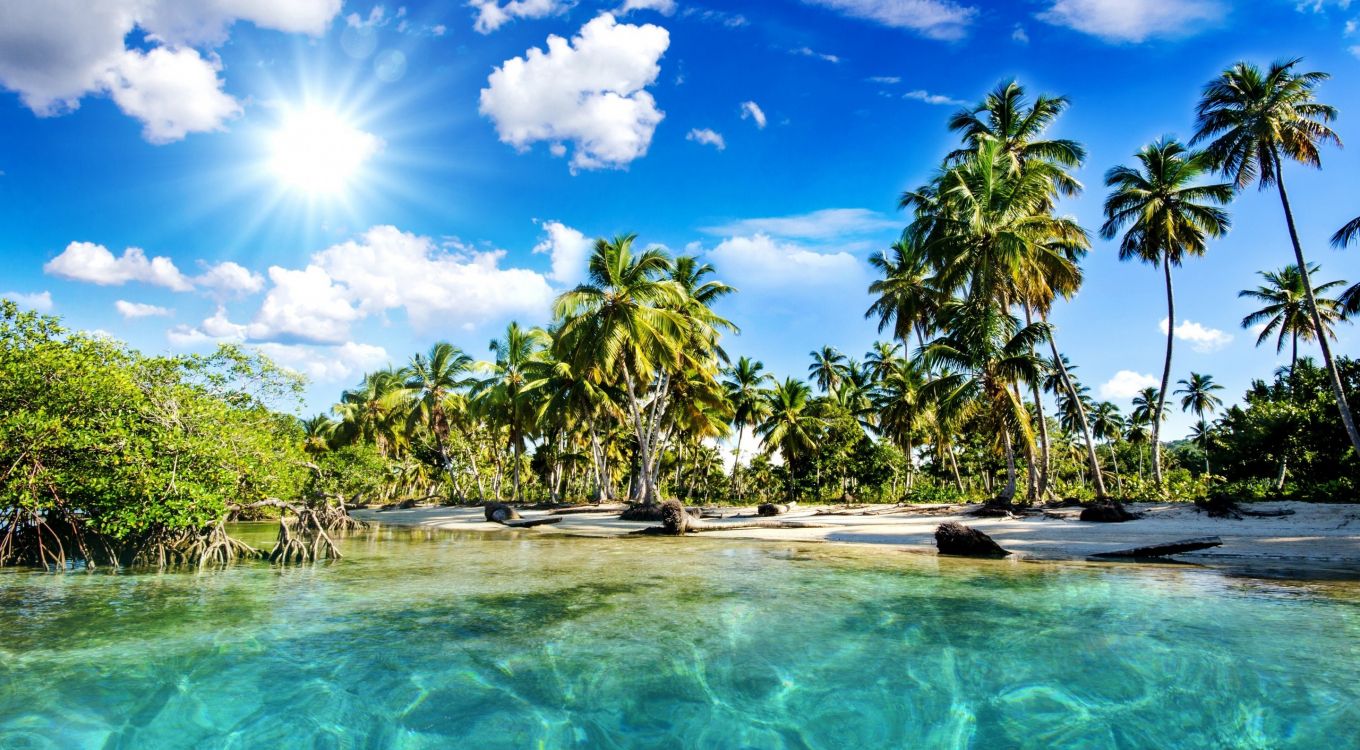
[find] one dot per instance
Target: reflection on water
(425, 639)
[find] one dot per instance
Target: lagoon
(432, 639)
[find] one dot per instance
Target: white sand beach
(1320, 533)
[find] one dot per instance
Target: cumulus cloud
(1202, 338)
(829, 223)
(708, 137)
(752, 111)
(589, 91)
(304, 304)
(921, 95)
(37, 301)
(569, 250)
(327, 363)
(132, 310)
(86, 261)
(936, 19)
(761, 262)
(230, 279)
(492, 14)
(1126, 384)
(1135, 20)
(810, 52)
(664, 7)
(53, 53)
(217, 329)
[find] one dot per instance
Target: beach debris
(500, 513)
(957, 539)
(677, 520)
(1107, 511)
(1223, 507)
(652, 511)
(1165, 550)
(527, 523)
(775, 509)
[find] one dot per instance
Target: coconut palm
(790, 426)
(429, 379)
(1169, 216)
(317, 433)
(1197, 396)
(1253, 121)
(1147, 403)
(881, 358)
(902, 408)
(1006, 115)
(374, 412)
(745, 386)
(1108, 425)
(905, 299)
(625, 322)
(1285, 313)
(828, 368)
(519, 368)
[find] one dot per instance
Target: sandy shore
(1314, 533)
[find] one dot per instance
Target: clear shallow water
(433, 640)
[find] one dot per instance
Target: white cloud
(885, 80)
(810, 52)
(1019, 35)
(1135, 20)
(936, 19)
(588, 91)
(38, 301)
(708, 137)
(229, 278)
(131, 310)
(760, 262)
(752, 111)
(829, 223)
(921, 95)
(569, 250)
(492, 15)
(1126, 384)
(664, 7)
(305, 305)
(55, 52)
(86, 261)
(1201, 338)
(173, 93)
(327, 363)
(217, 329)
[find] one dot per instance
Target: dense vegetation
(112, 456)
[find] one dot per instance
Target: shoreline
(1316, 533)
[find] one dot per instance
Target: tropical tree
(430, 380)
(902, 408)
(1109, 425)
(1169, 216)
(1006, 115)
(905, 299)
(828, 368)
(745, 386)
(1197, 397)
(520, 367)
(790, 427)
(1285, 313)
(1253, 121)
(374, 412)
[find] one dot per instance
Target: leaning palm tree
(790, 426)
(1169, 215)
(429, 379)
(745, 386)
(1255, 120)
(317, 433)
(1286, 314)
(625, 322)
(1197, 397)
(828, 368)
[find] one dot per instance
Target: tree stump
(1107, 512)
(774, 509)
(500, 513)
(957, 539)
(675, 520)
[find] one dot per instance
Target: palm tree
(902, 408)
(1136, 432)
(1169, 216)
(373, 412)
(317, 433)
(1197, 396)
(625, 321)
(881, 358)
(828, 368)
(905, 298)
(1006, 115)
(745, 385)
(790, 426)
(1255, 120)
(429, 380)
(1108, 425)
(1286, 313)
(520, 367)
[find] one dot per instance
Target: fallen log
(677, 520)
(957, 539)
(528, 523)
(1165, 550)
(1222, 507)
(775, 509)
(500, 513)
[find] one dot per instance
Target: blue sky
(341, 185)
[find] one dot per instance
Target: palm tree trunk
(1338, 389)
(1204, 443)
(1081, 415)
(736, 463)
(1045, 452)
(1166, 376)
(1114, 458)
(644, 449)
(515, 450)
(1293, 397)
(1008, 493)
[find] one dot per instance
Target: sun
(317, 152)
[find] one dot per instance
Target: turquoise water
(434, 640)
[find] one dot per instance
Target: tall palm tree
(745, 386)
(374, 412)
(1007, 115)
(520, 367)
(1136, 432)
(828, 368)
(1147, 404)
(1108, 425)
(1255, 120)
(905, 298)
(1197, 396)
(790, 426)
(625, 322)
(1170, 215)
(1286, 313)
(902, 408)
(881, 358)
(429, 379)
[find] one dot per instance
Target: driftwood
(1108, 512)
(1222, 507)
(1165, 550)
(957, 539)
(500, 513)
(677, 520)
(528, 523)
(602, 508)
(775, 509)
(652, 512)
